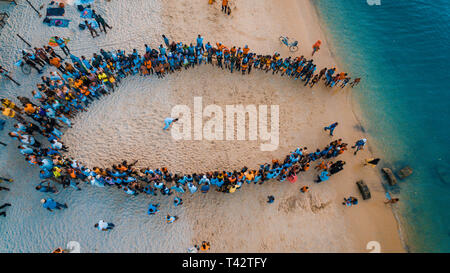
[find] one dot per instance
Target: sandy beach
(127, 126)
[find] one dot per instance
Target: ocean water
(401, 49)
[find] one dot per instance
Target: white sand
(127, 125)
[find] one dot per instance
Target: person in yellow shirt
(8, 112)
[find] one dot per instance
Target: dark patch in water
(443, 172)
(360, 128)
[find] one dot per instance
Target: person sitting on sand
(271, 198)
(316, 47)
(304, 189)
(350, 201)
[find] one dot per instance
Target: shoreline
(358, 115)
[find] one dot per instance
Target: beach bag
(82, 26)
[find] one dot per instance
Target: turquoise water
(401, 50)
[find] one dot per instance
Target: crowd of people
(78, 82)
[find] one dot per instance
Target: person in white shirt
(102, 225)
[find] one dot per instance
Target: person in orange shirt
(29, 109)
(205, 246)
(306, 167)
(56, 62)
(246, 50)
(316, 47)
(225, 6)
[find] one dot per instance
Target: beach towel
(55, 12)
(57, 22)
(86, 13)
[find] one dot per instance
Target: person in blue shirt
(331, 128)
(46, 188)
(324, 176)
(62, 44)
(168, 122)
(153, 209)
(51, 204)
(166, 41)
(200, 41)
(177, 201)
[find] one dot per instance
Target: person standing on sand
(331, 128)
(91, 29)
(168, 122)
(316, 47)
(100, 21)
(171, 219)
(205, 246)
(166, 41)
(62, 44)
(225, 6)
(359, 145)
